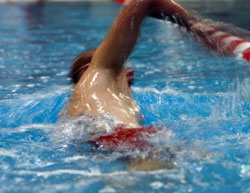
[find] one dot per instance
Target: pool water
(200, 99)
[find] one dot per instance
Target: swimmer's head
(82, 62)
(80, 65)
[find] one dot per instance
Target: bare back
(98, 93)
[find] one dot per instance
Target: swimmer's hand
(167, 9)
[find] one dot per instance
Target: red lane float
(220, 41)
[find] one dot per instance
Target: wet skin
(111, 96)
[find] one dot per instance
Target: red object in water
(120, 1)
(126, 138)
(246, 54)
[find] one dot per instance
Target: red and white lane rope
(220, 41)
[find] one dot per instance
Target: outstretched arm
(121, 39)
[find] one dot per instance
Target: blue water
(200, 99)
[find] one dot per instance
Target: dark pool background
(202, 100)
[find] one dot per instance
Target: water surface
(200, 99)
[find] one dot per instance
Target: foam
(86, 127)
(4, 152)
(245, 171)
(47, 174)
(75, 158)
(95, 172)
(156, 185)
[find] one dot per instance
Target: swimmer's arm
(122, 36)
(174, 11)
(179, 14)
(121, 39)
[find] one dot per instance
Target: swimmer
(101, 82)
(100, 78)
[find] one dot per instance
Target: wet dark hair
(79, 62)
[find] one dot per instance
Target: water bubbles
(156, 185)
(44, 78)
(30, 85)
(107, 189)
(245, 171)
(85, 127)
(189, 67)
(192, 87)
(183, 117)
(62, 73)
(4, 152)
